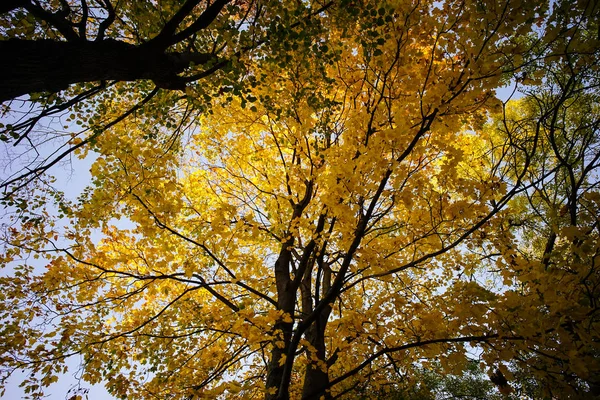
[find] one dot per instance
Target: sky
(72, 177)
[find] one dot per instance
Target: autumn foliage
(319, 200)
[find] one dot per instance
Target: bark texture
(29, 66)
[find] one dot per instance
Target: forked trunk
(316, 378)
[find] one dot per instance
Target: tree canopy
(303, 200)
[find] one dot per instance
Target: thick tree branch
(166, 34)
(57, 20)
(107, 21)
(203, 21)
(10, 5)
(30, 66)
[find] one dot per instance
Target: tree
(549, 251)
(429, 384)
(74, 57)
(337, 218)
(53, 45)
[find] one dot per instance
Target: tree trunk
(275, 371)
(316, 377)
(29, 66)
(286, 297)
(286, 302)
